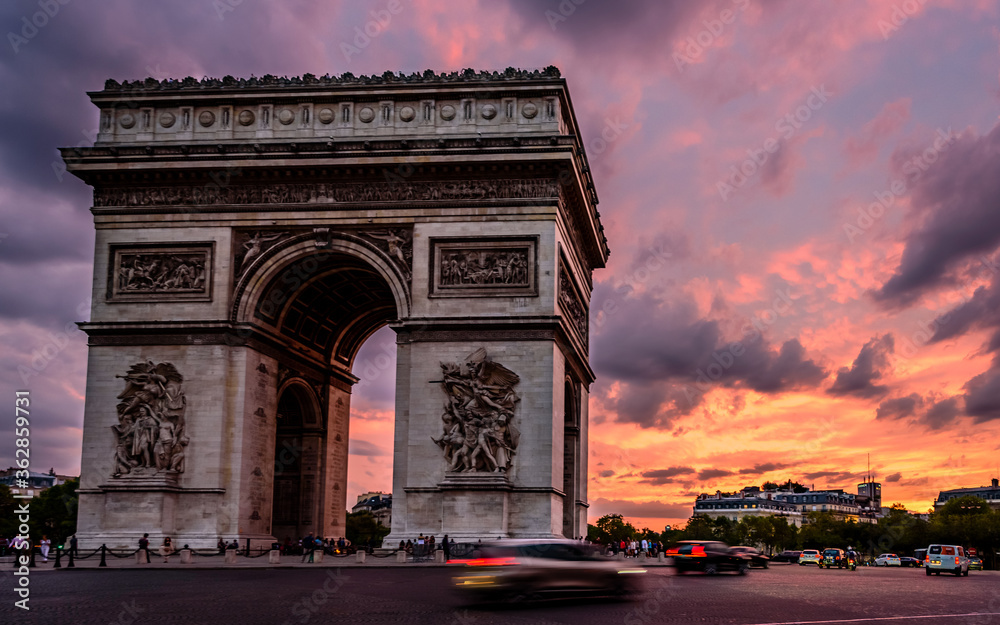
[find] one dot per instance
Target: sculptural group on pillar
(149, 435)
(479, 433)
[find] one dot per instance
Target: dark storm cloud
(711, 474)
(359, 447)
(941, 413)
(625, 26)
(982, 397)
(835, 476)
(870, 365)
(667, 357)
(899, 407)
(895, 477)
(658, 477)
(767, 467)
(955, 203)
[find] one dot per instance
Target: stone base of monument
(185, 556)
(230, 556)
(274, 557)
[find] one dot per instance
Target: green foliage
(613, 528)
(53, 513)
(8, 522)
(362, 526)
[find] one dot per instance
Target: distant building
(843, 506)
(748, 502)
(36, 482)
(379, 504)
(990, 493)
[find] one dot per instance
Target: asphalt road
(781, 594)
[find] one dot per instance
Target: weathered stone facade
(251, 234)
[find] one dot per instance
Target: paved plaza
(421, 594)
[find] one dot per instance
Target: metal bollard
(58, 564)
(71, 565)
(104, 549)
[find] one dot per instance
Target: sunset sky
(802, 202)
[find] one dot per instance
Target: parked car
(946, 559)
(809, 556)
(833, 558)
(709, 557)
(521, 570)
(788, 557)
(888, 559)
(906, 561)
(975, 564)
(756, 557)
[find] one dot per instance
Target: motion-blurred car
(888, 559)
(833, 559)
(946, 559)
(522, 570)
(975, 564)
(788, 557)
(906, 561)
(809, 556)
(756, 557)
(708, 557)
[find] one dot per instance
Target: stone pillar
(274, 557)
(360, 559)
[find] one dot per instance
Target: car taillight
(927, 558)
(491, 561)
(956, 559)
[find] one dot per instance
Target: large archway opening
(319, 309)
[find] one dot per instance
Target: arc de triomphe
(252, 233)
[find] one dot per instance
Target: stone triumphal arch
(252, 233)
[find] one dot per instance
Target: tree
(53, 512)
(612, 528)
(362, 526)
(8, 522)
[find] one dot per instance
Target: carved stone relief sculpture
(251, 245)
(488, 267)
(160, 273)
(399, 245)
(479, 434)
(574, 309)
(149, 436)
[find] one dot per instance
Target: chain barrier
(127, 555)
(90, 555)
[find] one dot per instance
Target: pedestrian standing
(446, 546)
(72, 545)
(308, 546)
(144, 546)
(46, 544)
(166, 549)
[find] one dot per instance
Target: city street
(780, 594)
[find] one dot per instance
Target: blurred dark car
(789, 557)
(975, 564)
(756, 557)
(512, 571)
(833, 558)
(708, 557)
(906, 561)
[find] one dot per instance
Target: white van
(946, 558)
